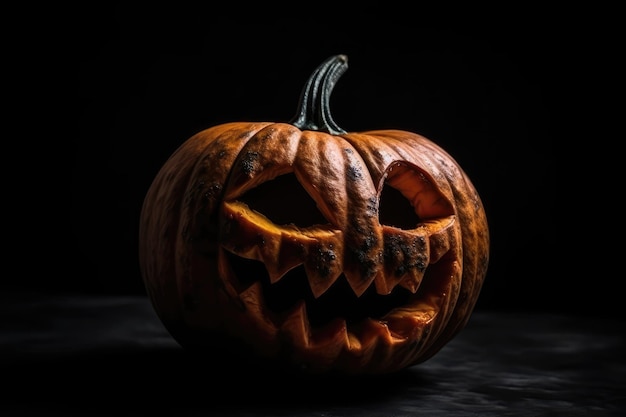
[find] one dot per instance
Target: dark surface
(110, 355)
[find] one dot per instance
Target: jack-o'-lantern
(307, 246)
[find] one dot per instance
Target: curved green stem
(314, 107)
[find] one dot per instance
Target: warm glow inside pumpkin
(312, 247)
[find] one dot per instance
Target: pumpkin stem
(314, 107)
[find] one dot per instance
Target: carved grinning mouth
(338, 301)
(277, 280)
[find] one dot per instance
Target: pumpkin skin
(323, 283)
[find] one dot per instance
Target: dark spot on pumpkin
(213, 191)
(421, 265)
(370, 242)
(412, 254)
(323, 258)
(323, 270)
(372, 207)
(249, 162)
(353, 173)
(366, 266)
(392, 246)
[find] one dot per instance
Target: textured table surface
(109, 355)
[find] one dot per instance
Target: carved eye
(284, 201)
(408, 198)
(396, 210)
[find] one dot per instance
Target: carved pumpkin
(303, 245)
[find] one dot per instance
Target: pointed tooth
(274, 274)
(320, 284)
(366, 338)
(254, 303)
(391, 281)
(277, 269)
(410, 285)
(251, 235)
(440, 239)
(379, 340)
(323, 265)
(358, 353)
(406, 256)
(330, 339)
(290, 252)
(412, 280)
(323, 346)
(408, 323)
(357, 282)
(374, 331)
(296, 326)
(382, 286)
(324, 259)
(247, 233)
(386, 282)
(252, 297)
(353, 343)
(231, 282)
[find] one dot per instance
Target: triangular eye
(396, 210)
(284, 201)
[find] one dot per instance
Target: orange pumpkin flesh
(311, 247)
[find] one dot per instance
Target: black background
(98, 95)
(486, 89)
